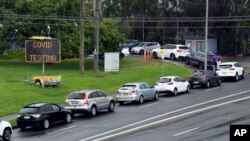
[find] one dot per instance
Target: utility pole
(206, 32)
(97, 34)
(82, 37)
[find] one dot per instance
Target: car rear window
(165, 80)
(77, 96)
(184, 48)
(195, 73)
(129, 86)
(225, 66)
(29, 110)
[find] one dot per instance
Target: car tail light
(188, 50)
(86, 100)
(231, 69)
(134, 91)
(179, 50)
(170, 83)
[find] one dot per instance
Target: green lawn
(14, 94)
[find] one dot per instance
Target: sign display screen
(45, 51)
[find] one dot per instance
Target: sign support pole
(43, 68)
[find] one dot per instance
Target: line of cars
(92, 101)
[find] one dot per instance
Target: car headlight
(36, 115)
(18, 116)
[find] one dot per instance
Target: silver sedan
(136, 92)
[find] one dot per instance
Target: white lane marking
(186, 131)
(189, 107)
(149, 105)
(212, 89)
(168, 119)
(61, 130)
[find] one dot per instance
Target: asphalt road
(203, 114)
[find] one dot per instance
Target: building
(197, 44)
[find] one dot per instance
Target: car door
(103, 101)
(183, 84)
(238, 68)
(149, 91)
(143, 90)
(94, 99)
(177, 84)
(48, 113)
(58, 113)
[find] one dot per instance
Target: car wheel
(121, 103)
(22, 128)
(236, 78)
(111, 107)
(156, 97)
(155, 55)
(172, 56)
(6, 134)
(188, 89)
(208, 84)
(38, 83)
(175, 92)
(141, 100)
(46, 124)
(242, 76)
(187, 61)
(141, 52)
(93, 111)
(68, 118)
(201, 66)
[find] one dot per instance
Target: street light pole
(206, 32)
(82, 38)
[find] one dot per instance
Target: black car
(204, 78)
(42, 115)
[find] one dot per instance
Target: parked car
(204, 78)
(42, 115)
(5, 130)
(172, 51)
(172, 84)
(198, 58)
(137, 92)
(89, 101)
(148, 46)
(125, 51)
(231, 70)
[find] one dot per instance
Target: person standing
(217, 60)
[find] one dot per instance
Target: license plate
(224, 73)
(74, 102)
(125, 94)
(196, 82)
(26, 117)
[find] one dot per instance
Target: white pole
(43, 68)
(206, 32)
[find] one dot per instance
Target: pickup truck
(198, 58)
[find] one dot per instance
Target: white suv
(171, 51)
(148, 46)
(89, 101)
(5, 130)
(230, 69)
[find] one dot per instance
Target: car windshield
(29, 110)
(141, 44)
(165, 80)
(77, 96)
(183, 47)
(225, 66)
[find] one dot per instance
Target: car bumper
(199, 82)
(25, 123)
(78, 109)
(127, 98)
